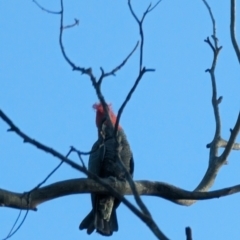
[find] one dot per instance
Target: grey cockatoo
(103, 163)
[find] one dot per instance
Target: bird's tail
(103, 220)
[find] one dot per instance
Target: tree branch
(223, 143)
(84, 185)
(103, 75)
(46, 10)
(232, 29)
(145, 218)
(231, 140)
(188, 232)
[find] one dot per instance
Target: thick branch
(83, 185)
(188, 232)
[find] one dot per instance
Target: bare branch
(232, 29)
(11, 232)
(51, 173)
(86, 185)
(46, 10)
(149, 9)
(27, 139)
(150, 223)
(74, 67)
(231, 140)
(120, 111)
(103, 75)
(215, 100)
(76, 23)
(87, 71)
(140, 25)
(188, 231)
(212, 18)
(132, 12)
(223, 143)
(80, 155)
(142, 70)
(154, 6)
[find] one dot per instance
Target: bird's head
(101, 116)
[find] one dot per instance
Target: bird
(103, 162)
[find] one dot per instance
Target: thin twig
(140, 25)
(232, 29)
(231, 140)
(128, 97)
(79, 153)
(74, 67)
(141, 34)
(51, 173)
(154, 6)
(87, 71)
(27, 139)
(46, 10)
(28, 199)
(103, 75)
(212, 18)
(13, 226)
(85, 153)
(19, 226)
(76, 23)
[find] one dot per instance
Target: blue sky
(168, 121)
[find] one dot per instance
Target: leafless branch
(11, 233)
(27, 139)
(223, 143)
(83, 153)
(51, 173)
(213, 20)
(215, 161)
(46, 10)
(87, 71)
(213, 154)
(231, 141)
(140, 25)
(13, 226)
(103, 75)
(215, 102)
(76, 23)
(232, 29)
(188, 231)
(86, 185)
(120, 111)
(142, 71)
(80, 156)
